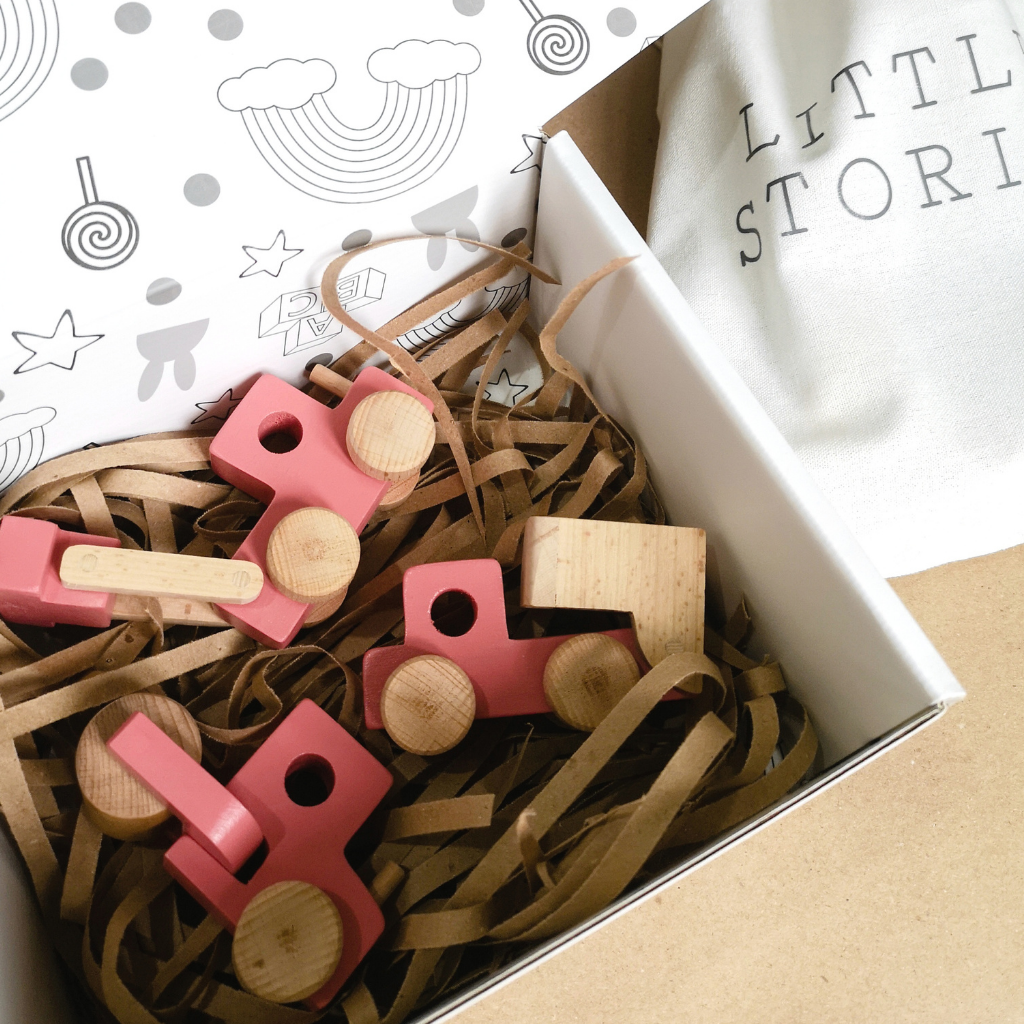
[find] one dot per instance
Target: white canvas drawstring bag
(839, 196)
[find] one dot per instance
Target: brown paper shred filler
(522, 830)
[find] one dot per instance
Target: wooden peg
(427, 705)
(399, 492)
(586, 677)
(115, 800)
(288, 942)
(326, 378)
(390, 436)
(654, 572)
(158, 574)
(312, 555)
(386, 882)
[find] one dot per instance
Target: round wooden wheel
(118, 803)
(397, 493)
(428, 705)
(288, 942)
(312, 555)
(390, 435)
(322, 612)
(586, 677)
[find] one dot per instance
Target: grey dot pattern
(468, 7)
(324, 359)
(132, 18)
(225, 25)
(202, 189)
(162, 291)
(89, 74)
(357, 238)
(513, 238)
(621, 21)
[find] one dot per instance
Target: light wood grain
(321, 612)
(656, 573)
(586, 677)
(390, 435)
(288, 942)
(427, 705)
(159, 574)
(116, 802)
(312, 555)
(175, 611)
(399, 492)
(324, 377)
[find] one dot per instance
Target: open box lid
(853, 654)
(851, 651)
(175, 183)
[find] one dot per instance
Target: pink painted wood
(507, 675)
(214, 818)
(316, 472)
(303, 843)
(30, 588)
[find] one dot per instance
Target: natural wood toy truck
(427, 691)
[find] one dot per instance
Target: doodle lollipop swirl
(98, 235)
(556, 43)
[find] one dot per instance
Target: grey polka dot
(225, 25)
(1, 396)
(162, 291)
(468, 7)
(202, 189)
(324, 359)
(621, 21)
(513, 238)
(132, 18)
(89, 73)
(356, 239)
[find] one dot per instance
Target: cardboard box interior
(854, 656)
(852, 653)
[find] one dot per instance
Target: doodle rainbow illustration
(28, 48)
(287, 115)
(21, 442)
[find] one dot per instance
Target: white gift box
(851, 652)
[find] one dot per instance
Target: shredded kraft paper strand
(525, 829)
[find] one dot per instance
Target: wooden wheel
(427, 705)
(115, 800)
(399, 492)
(586, 677)
(288, 942)
(390, 435)
(312, 555)
(322, 612)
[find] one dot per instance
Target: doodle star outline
(263, 260)
(533, 160)
(63, 349)
(220, 409)
(513, 390)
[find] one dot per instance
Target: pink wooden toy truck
(291, 452)
(301, 797)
